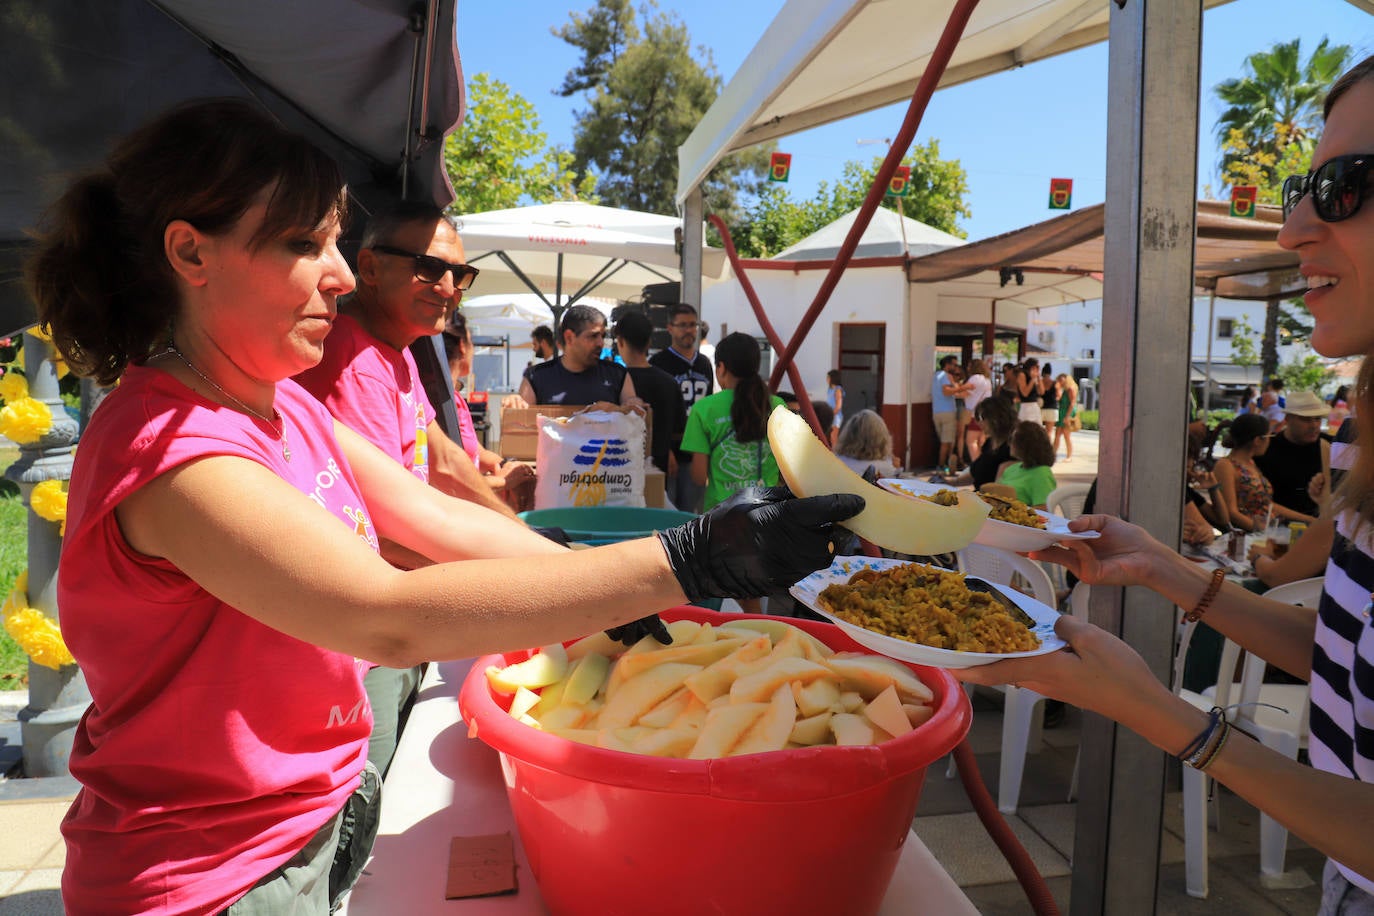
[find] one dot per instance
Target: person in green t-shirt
(1030, 475)
(728, 430)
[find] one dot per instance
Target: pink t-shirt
(214, 746)
(375, 390)
(467, 433)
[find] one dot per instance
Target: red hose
(1037, 891)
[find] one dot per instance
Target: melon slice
(890, 520)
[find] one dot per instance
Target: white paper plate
(808, 592)
(1002, 535)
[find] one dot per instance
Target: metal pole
(1153, 70)
(56, 698)
(1207, 382)
(693, 240)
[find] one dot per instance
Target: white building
(1071, 335)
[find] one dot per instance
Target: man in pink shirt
(411, 275)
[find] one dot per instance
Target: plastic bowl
(607, 524)
(812, 830)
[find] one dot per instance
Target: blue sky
(1012, 131)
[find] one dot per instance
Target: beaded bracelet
(1203, 749)
(1218, 576)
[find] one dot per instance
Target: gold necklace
(280, 430)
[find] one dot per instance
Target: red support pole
(799, 389)
(939, 60)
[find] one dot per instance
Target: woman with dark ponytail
(220, 582)
(728, 430)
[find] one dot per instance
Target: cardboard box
(653, 488)
(520, 428)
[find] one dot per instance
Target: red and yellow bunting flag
(1061, 193)
(900, 183)
(1243, 201)
(779, 166)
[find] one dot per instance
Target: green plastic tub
(606, 524)
(596, 525)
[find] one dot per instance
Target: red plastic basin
(812, 830)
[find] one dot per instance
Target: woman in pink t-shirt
(220, 579)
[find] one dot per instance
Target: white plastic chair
(1283, 729)
(1021, 706)
(1067, 499)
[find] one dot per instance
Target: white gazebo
(564, 251)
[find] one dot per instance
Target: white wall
(862, 295)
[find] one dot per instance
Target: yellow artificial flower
(13, 387)
(41, 332)
(49, 501)
(40, 637)
(25, 421)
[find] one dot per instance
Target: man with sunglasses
(411, 275)
(695, 376)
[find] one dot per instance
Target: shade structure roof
(575, 249)
(888, 235)
(822, 60)
(1061, 260)
(375, 83)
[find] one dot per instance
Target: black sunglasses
(431, 269)
(1338, 187)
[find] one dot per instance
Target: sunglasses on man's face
(431, 269)
(1338, 187)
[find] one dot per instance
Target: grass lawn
(14, 553)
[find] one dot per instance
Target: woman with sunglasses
(1331, 803)
(220, 582)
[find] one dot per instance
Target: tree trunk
(1269, 348)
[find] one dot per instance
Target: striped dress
(1342, 715)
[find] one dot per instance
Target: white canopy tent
(888, 234)
(823, 60)
(562, 252)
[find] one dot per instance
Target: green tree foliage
(1267, 132)
(499, 158)
(1306, 374)
(645, 92)
(935, 197)
(1243, 349)
(1278, 99)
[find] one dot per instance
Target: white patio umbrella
(562, 252)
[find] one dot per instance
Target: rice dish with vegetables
(1004, 509)
(930, 606)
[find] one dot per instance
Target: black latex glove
(871, 475)
(557, 535)
(632, 632)
(756, 541)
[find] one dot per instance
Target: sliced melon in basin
(900, 523)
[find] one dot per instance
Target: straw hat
(1306, 404)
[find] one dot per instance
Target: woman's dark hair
(1342, 394)
(833, 376)
(455, 333)
(740, 355)
(1245, 429)
(1362, 71)
(99, 275)
(997, 417)
(1031, 445)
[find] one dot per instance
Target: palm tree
(1279, 99)
(1276, 103)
